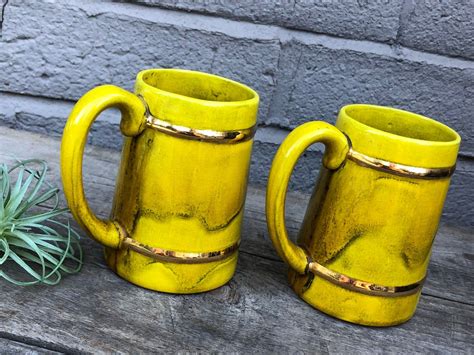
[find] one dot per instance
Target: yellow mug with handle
(178, 207)
(365, 243)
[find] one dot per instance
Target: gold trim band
(364, 287)
(399, 169)
(207, 135)
(179, 257)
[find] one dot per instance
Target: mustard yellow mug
(178, 207)
(365, 242)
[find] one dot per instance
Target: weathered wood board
(96, 311)
(17, 347)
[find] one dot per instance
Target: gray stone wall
(306, 58)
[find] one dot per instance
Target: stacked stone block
(306, 58)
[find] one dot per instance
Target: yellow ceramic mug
(366, 239)
(178, 207)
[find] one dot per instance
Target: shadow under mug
(365, 243)
(178, 206)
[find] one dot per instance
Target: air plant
(29, 236)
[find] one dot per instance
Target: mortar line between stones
(273, 106)
(405, 13)
(278, 100)
(27, 96)
(258, 31)
(265, 133)
(4, 6)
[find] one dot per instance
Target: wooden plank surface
(96, 311)
(17, 347)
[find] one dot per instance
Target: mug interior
(401, 123)
(196, 85)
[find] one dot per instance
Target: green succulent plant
(29, 236)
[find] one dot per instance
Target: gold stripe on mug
(207, 135)
(179, 257)
(399, 169)
(364, 287)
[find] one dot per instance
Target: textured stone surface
(324, 79)
(459, 208)
(374, 20)
(61, 50)
(444, 27)
(49, 116)
(437, 26)
(304, 175)
(299, 76)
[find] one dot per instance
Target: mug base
(354, 307)
(170, 277)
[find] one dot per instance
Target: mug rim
(253, 99)
(456, 139)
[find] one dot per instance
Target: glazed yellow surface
(367, 224)
(172, 193)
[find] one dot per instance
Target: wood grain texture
(97, 312)
(17, 347)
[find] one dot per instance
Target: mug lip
(456, 137)
(254, 99)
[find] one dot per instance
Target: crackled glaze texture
(361, 222)
(174, 193)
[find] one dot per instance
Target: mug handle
(84, 113)
(293, 146)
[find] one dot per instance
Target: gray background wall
(307, 58)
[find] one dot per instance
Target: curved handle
(73, 142)
(292, 147)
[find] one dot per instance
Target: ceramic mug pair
(365, 243)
